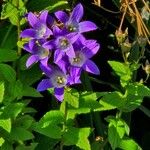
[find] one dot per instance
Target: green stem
(96, 116)
(64, 124)
(98, 123)
(18, 30)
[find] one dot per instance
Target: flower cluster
(60, 48)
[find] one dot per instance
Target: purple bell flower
(39, 26)
(38, 51)
(72, 23)
(57, 79)
(84, 51)
(63, 44)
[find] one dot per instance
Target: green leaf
(127, 144)
(78, 137)
(122, 70)
(112, 100)
(2, 89)
(22, 134)
(113, 137)
(1, 141)
(7, 146)
(116, 131)
(71, 96)
(7, 72)
(12, 110)
(9, 38)
(38, 5)
(50, 124)
(89, 100)
(11, 12)
(134, 96)
(45, 142)
(29, 91)
(30, 76)
(87, 103)
(24, 121)
(7, 55)
(16, 90)
(23, 147)
(6, 124)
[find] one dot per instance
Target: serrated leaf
(113, 137)
(1, 91)
(72, 97)
(78, 137)
(122, 70)
(6, 124)
(7, 55)
(8, 72)
(50, 124)
(22, 134)
(127, 143)
(112, 100)
(134, 96)
(29, 91)
(12, 110)
(116, 131)
(11, 12)
(16, 89)
(24, 121)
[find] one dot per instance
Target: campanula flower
(72, 23)
(57, 79)
(38, 51)
(39, 26)
(63, 44)
(84, 51)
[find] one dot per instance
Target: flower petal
(70, 52)
(77, 13)
(50, 20)
(59, 93)
(87, 26)
(73, 37)
(44, 84)
(57, 56)
(44, 61)
(32, 19)
(74, 77)
(91, 67)
(43, 16)
(46, 69)
(32, 43)
(49, 45)
(91, 49)
(27, 48)
(62, 16)
(57, 31)
(48, 32)
(28, 33)
(63, 64)
(32, 59)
